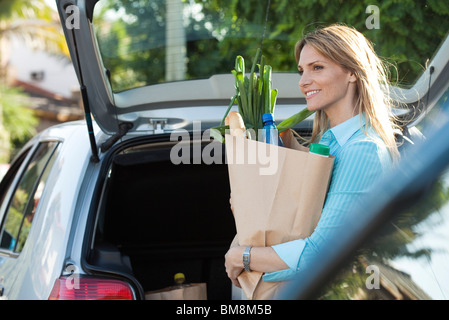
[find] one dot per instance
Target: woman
(345, 82)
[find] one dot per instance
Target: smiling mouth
(310, 94)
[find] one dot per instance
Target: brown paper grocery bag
(277, 196)
(195, 291)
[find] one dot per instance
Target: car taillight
(86, 288)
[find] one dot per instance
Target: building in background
(49, 80)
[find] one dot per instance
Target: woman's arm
(358, 169)
(262, 259)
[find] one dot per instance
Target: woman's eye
(317, 67)
(300, 72)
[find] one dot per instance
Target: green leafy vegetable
(255, 96)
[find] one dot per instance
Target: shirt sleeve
(358, 167)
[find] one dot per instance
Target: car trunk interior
(157, 218)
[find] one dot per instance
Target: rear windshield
(150, 42)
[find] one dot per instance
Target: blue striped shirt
(360, 160)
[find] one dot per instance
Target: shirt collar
(346, 129)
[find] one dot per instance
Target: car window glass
(408, 259)
(22, 206)
(8, 178)
(149, 42)
(437, 116)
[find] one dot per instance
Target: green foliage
(409, 33)
(18, 120)
(34, 22)
(136, 56)
(217, 31)
(24, 9)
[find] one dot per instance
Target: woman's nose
(304, 81)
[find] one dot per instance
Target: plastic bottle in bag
(319, 149)
(270, 133)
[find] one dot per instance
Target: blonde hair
(348, 48)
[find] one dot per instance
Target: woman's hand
(263, 259)
(234, 263)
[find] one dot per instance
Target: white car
(114, 206)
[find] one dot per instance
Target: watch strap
(246, 259)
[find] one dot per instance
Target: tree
(408, 34)
(18, 120)
(36, 24)
(409, 31)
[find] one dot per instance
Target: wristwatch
(246, 258)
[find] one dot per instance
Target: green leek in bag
(255, 96)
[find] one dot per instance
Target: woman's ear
(352, 77)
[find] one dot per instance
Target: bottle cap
(319, 149)
(267, 117)
(179, 277)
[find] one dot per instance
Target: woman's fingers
(233, 264)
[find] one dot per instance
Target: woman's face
(326, 86)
